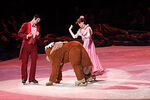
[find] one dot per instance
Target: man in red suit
(29, 31)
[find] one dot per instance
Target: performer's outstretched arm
(72, 34)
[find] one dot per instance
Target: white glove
(70, 30)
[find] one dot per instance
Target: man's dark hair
(36, 16)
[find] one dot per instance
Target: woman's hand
(71, 26)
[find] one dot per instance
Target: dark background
(119, 22)
(57, 15)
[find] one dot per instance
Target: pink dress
(88, 44)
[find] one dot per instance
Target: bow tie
(33, 25)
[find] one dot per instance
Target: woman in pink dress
(85, 32)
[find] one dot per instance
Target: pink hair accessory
(81, 16)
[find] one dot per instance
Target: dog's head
(52, 47)
(48, 49)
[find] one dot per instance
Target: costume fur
(60, 53)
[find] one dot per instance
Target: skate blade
(32, 83)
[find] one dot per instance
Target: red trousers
(31, 50)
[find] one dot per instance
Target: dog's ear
(47, 51)
(56, 46)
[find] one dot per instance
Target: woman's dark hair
(81, 19)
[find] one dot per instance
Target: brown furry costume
(74, 52)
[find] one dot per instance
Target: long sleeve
(74, 36)
(22, 31)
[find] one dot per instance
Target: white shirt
(33, 30)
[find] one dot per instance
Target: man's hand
(37, 33)
(29, 35)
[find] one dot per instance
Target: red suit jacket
(23, 32)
